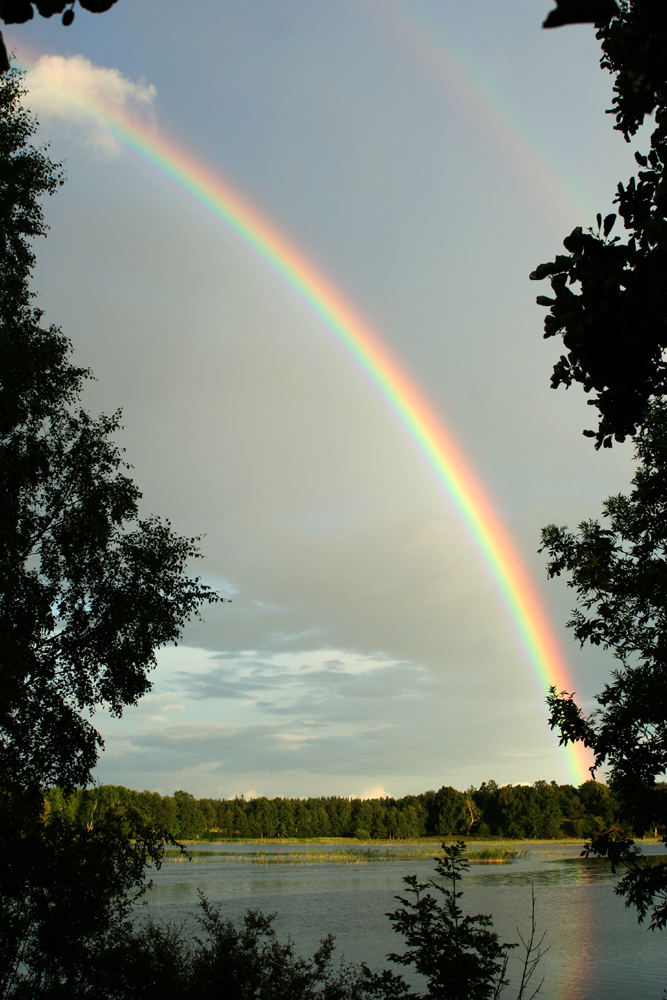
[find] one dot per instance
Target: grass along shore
(348, 852)
(322, 850)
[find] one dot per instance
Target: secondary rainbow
(424, 41)
(191, 177)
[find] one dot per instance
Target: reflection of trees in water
(565, 871)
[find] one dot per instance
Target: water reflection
(583, 872)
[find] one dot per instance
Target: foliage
(19, 11)
(619, 571)
(543, 810)
(580, 12)
(609, 301)
(459, 955)
(245, 961)
(88, 588)
(89, 591)
(27, 175)
(69, 929)
(66, 890)
(610, 308)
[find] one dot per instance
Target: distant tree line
(542, 810)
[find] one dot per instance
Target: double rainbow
(205, 186)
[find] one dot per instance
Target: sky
(424, 157)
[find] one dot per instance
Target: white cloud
(89, 97)
(375, 792)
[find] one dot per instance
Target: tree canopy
(89, 588)
(542, 810)
(618, 568)
(609, 301)
(609, 305)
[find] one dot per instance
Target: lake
(598, 951)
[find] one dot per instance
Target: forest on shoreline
(544, 810)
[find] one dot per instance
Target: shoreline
(427, 842)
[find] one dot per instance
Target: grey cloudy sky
(426, 156)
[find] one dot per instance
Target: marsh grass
(348, 856)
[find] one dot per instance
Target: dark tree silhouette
(89, 590)
(20, 11)
(618, 568)
(580, 12)
(459, 954)
(66, 893)
(609, 305)
(609, 301)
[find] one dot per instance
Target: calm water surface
(597, 949)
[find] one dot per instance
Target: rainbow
(422, 39)
(197, 181)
